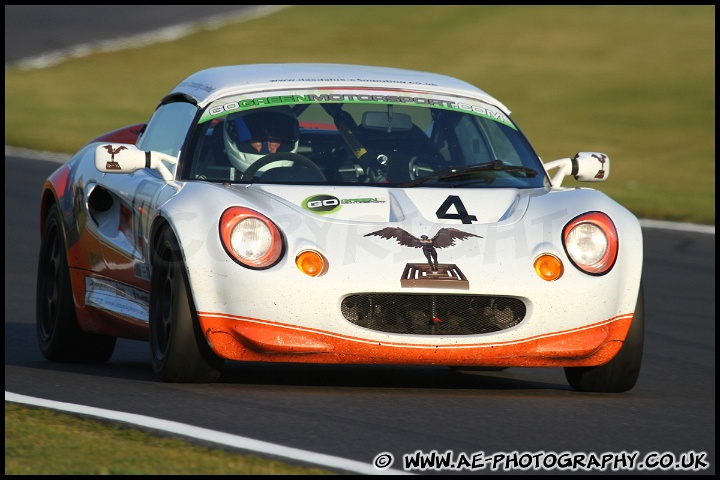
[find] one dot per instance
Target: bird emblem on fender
(445, 237)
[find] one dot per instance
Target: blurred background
(634, 82)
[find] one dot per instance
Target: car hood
(380, 205)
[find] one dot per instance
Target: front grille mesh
(423, 314)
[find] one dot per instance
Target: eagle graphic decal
(419, 274)
(112, 164)
(112, 151)
(602, 158)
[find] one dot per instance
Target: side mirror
(584, 167)
(127, 158)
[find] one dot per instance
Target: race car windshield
(366, 139)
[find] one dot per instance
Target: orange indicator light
(548, 267)
(311, 263)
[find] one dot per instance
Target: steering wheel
(296, 158)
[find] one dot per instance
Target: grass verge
(43, 442)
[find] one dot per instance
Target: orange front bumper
(251, 339)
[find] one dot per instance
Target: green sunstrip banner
(230, 105)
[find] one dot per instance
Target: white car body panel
(501, 261)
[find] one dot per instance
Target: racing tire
(178, 347)
(59, 335)
(621, 373)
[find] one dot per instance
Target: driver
(252, 134)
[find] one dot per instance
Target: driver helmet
(252, 134)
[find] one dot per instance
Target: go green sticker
(321, 204)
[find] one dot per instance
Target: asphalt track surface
(342, 417)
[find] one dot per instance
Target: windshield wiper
(459, 172)
(495, 165)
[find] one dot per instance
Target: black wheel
(621, 373)
(178, 347)
(278, 157)
(59, 335)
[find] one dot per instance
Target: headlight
(250, 238)
(591, 243)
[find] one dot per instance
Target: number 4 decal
(462, 214)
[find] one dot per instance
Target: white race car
(341, 214)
